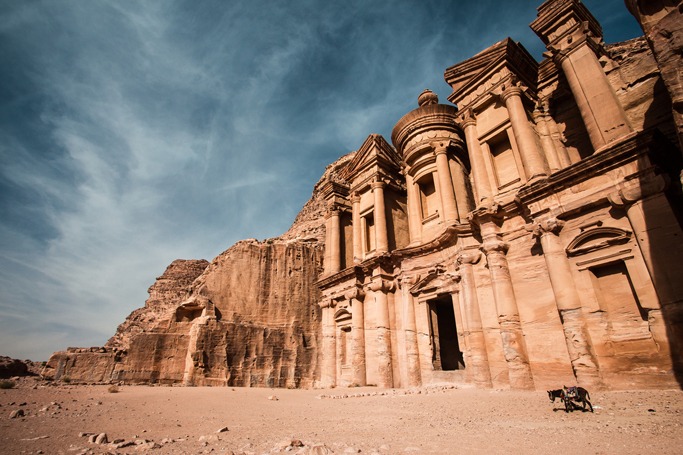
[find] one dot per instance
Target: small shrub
(7, 384)
(66, 379)
(113, 389)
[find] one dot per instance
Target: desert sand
(64, 418)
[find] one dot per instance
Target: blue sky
(133, 133)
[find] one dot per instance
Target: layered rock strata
(248, 318)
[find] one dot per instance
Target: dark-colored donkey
(570, 396)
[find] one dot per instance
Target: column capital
(381, 285)
(510, 91)
(492, 245)
(355, 293)
(332, 212)
(547, 226)
(327, 303)
(468, 118)
(377, 184)
(469, 257)
(355, 197)
(486, 212)
(638, 187)
(407, 280)
(441, 147)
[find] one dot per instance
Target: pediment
(596, 239)
(485, 69)
(432, 282)
(375, 151)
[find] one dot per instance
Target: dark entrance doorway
(446, 354)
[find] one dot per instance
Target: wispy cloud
(133, 133)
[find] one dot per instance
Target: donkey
(570, 395)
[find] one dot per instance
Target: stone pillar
(332, 233)
(357, 232)
(574, 37)
(534, 164)
(482, 186)
(414, 217)
(461, 188)
(479, 361)
(547, 142)
(358, 347)
(579, 346)
(648, 209)
(558, 141)
(450, 209)
(381, 240)
(514, 346)
(410, 333)
(599, 106)
(379, 289)
(328, 370)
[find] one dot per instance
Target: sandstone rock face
(248, 318)
(168, 291)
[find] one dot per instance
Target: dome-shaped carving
(427, 97)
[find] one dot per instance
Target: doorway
(446, 353)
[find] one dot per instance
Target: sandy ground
(436, 420)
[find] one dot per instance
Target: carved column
(358, 332)
(534, 165)
(482, 186)
(379, 289)
(574, 37)
(647, 207)
(381, 240)
(558, 140)
(328, 370)
(357, 232)
(579, 346)
(462, 191)
(479, 360)
(414, 218)
(410, 333)
(599, 106)
(450, 208)
(514, 346)
(547, 142)
(332, 233)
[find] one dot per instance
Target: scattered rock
(16, 414)
(222, 430)
(318, 449)
(273, 398)
(209, 438)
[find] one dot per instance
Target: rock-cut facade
(525, 235)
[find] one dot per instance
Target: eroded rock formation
(248, 318)
(527, 238)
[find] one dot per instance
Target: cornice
(615, 155)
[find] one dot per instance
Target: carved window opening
(446, 353)
(617, 295)
(344, 335)
(343, 321)
(429, 203)
(369, 232)
(503, 160)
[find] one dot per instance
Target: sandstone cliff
(248, 318)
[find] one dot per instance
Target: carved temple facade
(529, 237)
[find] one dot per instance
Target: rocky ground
(38, 417)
